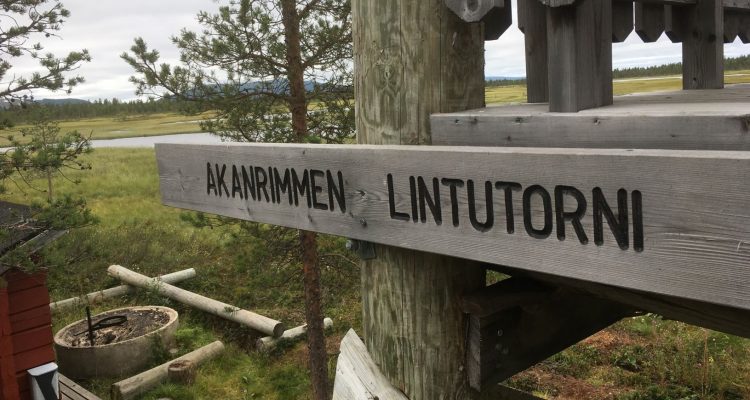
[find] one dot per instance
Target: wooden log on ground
(247, 318)
(358, 377)
(121, 290)
(268, 343)
(145, 381)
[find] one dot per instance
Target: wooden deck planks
(70, 390)
(694, 120)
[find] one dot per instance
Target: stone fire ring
(114, 360)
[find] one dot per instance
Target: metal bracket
(365, 250)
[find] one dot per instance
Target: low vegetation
(121, 126)
(643, 358)
(517, 93)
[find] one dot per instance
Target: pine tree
(23, 21)
(272, 71)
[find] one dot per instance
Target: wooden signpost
(668, 222)
(616, 205)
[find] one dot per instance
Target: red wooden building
(25, 319)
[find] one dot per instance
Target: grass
(517, 93)
(122, 127)
(136, 231)
(170, 123)
(644, 358)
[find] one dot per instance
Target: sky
(107, 28)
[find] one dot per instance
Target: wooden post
(580, 55)
(414, 58)
(702, 45)
(532, 20)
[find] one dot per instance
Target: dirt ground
(139, 322)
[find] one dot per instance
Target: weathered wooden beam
(532, 19)
(744, 31)
(668, 222)
(622, 20)
(737, 4)
(730, 4)
(721, 318)
(732, 22)
(498, 20)
(649, 21)
(681, 120)
(702, 45)
(666, 2)
(580, 55)
(559, 3)
(357, 375)
(674, 27)
(504, 295)
(510, 341)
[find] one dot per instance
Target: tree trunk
(49, 185)
(414, 58)
(298, 108)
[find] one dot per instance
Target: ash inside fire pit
(139, 322)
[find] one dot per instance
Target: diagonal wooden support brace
(517, 323)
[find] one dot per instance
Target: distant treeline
(72, 109)
(67, 109)
(730, 64)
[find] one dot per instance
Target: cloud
(107, 28)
